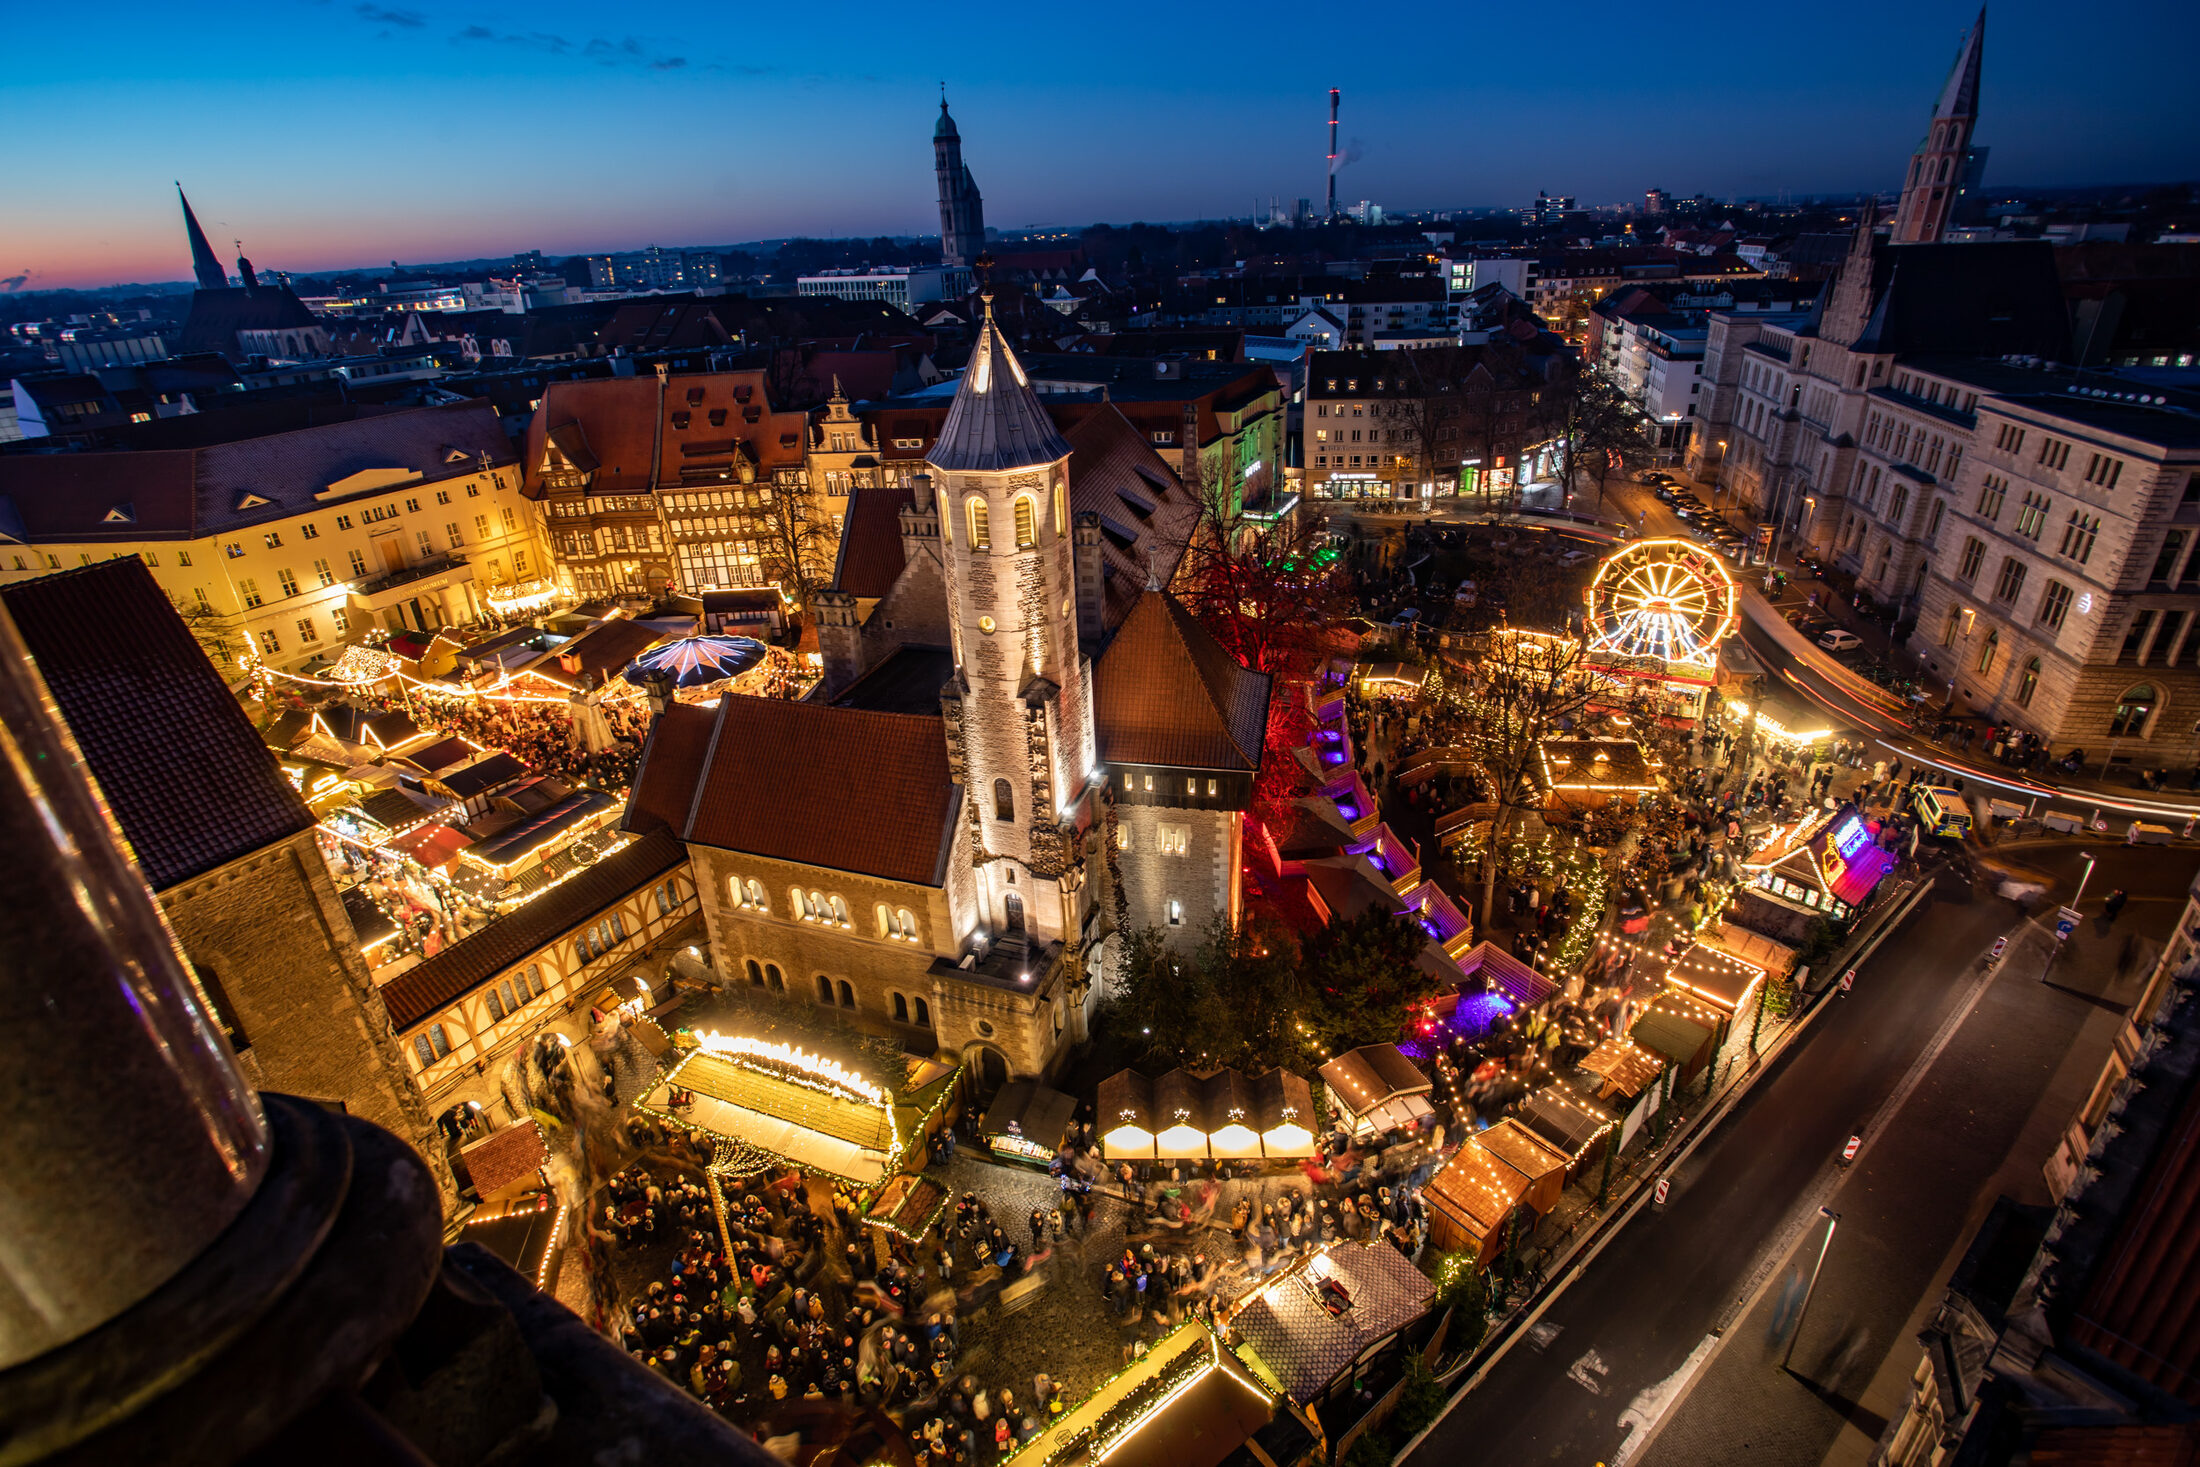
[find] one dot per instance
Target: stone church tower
(1019, 706)
(1938, 169)
(962, 208)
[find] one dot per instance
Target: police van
(1941, 810)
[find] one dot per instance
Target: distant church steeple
(962, 208)
(205, 264)
(1938, 169)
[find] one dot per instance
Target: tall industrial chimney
(1334, 96)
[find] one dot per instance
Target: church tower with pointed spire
(1938, 168)
(962, 208)
(205, 264)
(1019, 706)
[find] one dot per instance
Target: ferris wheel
(1661, 598)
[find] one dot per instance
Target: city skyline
(691, 136)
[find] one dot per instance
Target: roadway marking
(1643, 1414)
(1588, 1372)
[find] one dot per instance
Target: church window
(980, 537)
(773, 979)
(1027, 522)
(1175, 840)
(801, 903)
(824, 989)
(924, 1013)
(1149, 784)
(901, 1009)
(986, 624)
(847, 995)
(1176, 913)
(1061, 508)
(756, 974)
(840, 910)
(1213, 786)
(1004, 800)
(885, 920)
(906, 920)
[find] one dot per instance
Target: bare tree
(1602, 431)
(1523, 686)
(794, 535)
(211, 630)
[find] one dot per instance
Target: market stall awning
(1375, 1078)
(434, 846)
(1127, 1116)
(808, 1124)
(1723, 982)
(1569, 1122)
(1283, 1111)
(1506, 974)
(1182, 1133)
(907, 1205)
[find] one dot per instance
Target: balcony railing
(406, 575)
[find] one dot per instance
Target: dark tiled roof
(1166, 693)
(420, 993)
(672, 762)
(514, 1154)
(442, 754)
(482, 776)
(909, 681)
(1374, 1073)
(602, 652)
(1146, 515)
(184, 771)
(517, 842)
(1989, 299)
(870, 543)
(842, 788)
(997, 421)
(1308, 1347)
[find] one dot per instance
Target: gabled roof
(672, 762)
(1165, 692)
(845, 789)
(420, 993)
(1146, 514)
(997, 421)
(871, 558)
(188, 778)
(1308, 1347)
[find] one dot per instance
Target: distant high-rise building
(1942, 165)
(962, 207)
(653, 269)
(1656, 201)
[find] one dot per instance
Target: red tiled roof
(186, 774)
(1165, 692)
(672, 762)
(635, 444)
(844, 788)
(870, 543)
(514, 1154)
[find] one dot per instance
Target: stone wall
(1154, 874)
(270, 933)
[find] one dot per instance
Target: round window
(1065, 606)
(985, 1027)
(985, 624)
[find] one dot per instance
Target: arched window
(901, 1009)
(1061, 508)
(847, 995)
(800, 904)
(840, 910)
(924, 1013)
(819, 911)
(824, 989)
(885, 920)
(1027, 522)
(756, 895)
(981, 538)
(908, 923)
(2029, 684)
(2132, 711)
(1004, 801)
(756, 974)
(1989, 650)
(773, 978)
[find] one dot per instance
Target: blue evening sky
(343, 134)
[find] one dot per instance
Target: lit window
(980, 537)
(1027, 522)
(1176, 913)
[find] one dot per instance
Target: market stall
(1471, 1202)
(1540, 1164)
(1283, 1108)
(1181, 1113)
(1682, 1028)
(1187, 1402)
(1823, 864)
(1574, 1125)
(800, 1108)
(1375, 1088)
(1226, 1101)
(1323, 1320)
(1026, 1122)
(1126, 1110)
(1627, 1075)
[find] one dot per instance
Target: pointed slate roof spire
(205, 264)
(997, 421)
(1959, 98)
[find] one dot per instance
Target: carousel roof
(692, 662)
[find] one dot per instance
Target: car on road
(1839, 639)
(1577, 557)
(1941, 810)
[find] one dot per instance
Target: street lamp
(2087, 857)
(1833, 1220)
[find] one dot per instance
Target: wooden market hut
(1376, 1088)
(1227, 1108)
(1627, 1081)
(1179, 1117)
(1471, 1201)
(1680, 1028)
(1283, 1109)
(1126, 1111)
(1541, 1165)
(1575, 1126)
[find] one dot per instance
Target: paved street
(1981, 1120)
